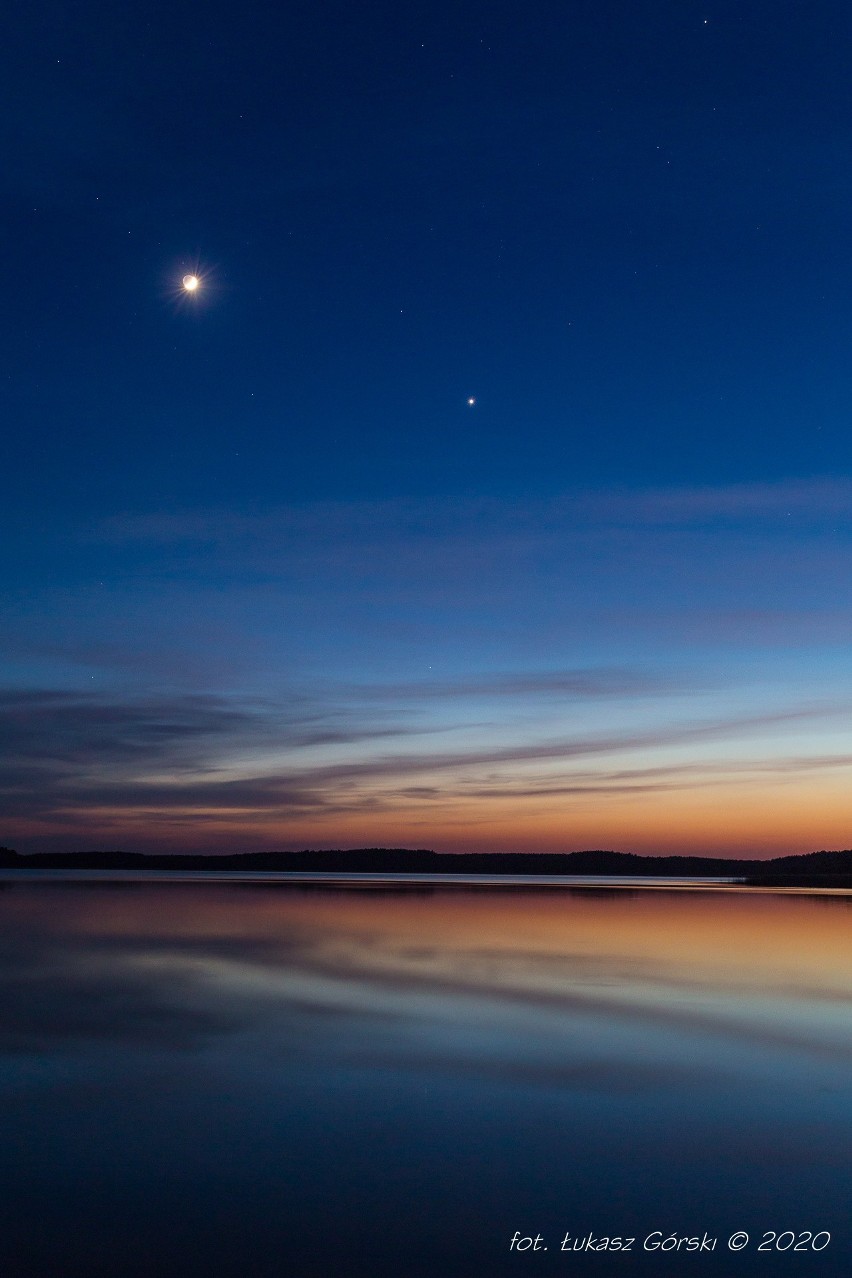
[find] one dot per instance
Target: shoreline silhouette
(817, 869)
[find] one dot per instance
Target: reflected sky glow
(481, 1058)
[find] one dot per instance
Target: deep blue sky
(623, 229)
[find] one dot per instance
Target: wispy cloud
(581, 684)
(66, 757)
(393, 656)
(817, 502)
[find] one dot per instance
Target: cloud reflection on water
(249, 1063)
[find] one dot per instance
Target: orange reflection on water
(540, 938)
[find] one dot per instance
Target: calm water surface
(219, 1078)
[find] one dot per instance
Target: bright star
(191, 283)
(471, 401)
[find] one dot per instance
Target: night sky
(272, 580)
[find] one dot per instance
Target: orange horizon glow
(760, 821)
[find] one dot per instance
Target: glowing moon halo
(190, 283)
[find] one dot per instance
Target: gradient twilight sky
(271, 581)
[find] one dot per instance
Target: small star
(471, 401)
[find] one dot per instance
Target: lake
(259, 1077)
